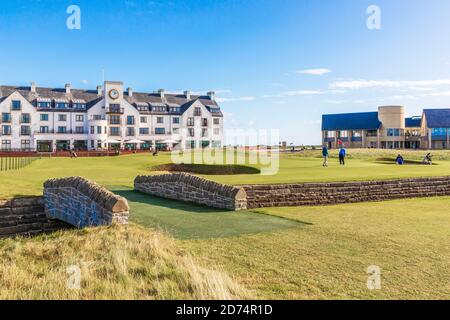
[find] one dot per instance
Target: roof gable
(437, 118)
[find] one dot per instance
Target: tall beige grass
(118, 262)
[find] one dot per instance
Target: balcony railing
(115, 110)
(61, 132)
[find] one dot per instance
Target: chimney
(211, 95)
(33, 87)
(99, 90)
(161, 93)
(187, 94)
(130, 92)
(67, 86)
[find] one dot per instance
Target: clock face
(114, 94)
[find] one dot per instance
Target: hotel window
(216, 121)
(190, 122)
(62, 129)
(6, 144)
(79, 129)
(216, 131)
(62, 117)
(159, 120)
(62, 105)
(25, 145)
(143, 119)
(176, 120)
(44, 117)
(92, 144)
(394, 132)
(204, 132)
(197, 112)
(6, 130)
(43, 129)
(44, 105)
(6, 117)
(356, 134)
(79, 106)
(130, 120)
(160, 109)
(25, 118)
(143, 131)
(204, 122)
(114, 131)
(160, 131)
(130, 131)
(79, 118)
(99, 129)
(16, 105)
(25, 130)
(343, 134)
(438, 132)
(92, 130)
(191, 132)
(114, 119)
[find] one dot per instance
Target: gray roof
(91, 97)
(173, 100)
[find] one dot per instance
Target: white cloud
(235, 99)
(302, 93)
(438, 94)
(84, 81)
(366, 84)
(420, 89)
(315, 72)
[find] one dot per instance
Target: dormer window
(159, 109)
(44, 104)
(16, 105)
(215, 110)
(62, 105)
(79, 106)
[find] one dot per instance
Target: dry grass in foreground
(119, 262)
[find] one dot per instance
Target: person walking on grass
(342, 154)
(325, 156)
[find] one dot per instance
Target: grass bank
(119, 262)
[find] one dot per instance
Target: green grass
(189, 221)
(279, 253)
(326, 257)
(300, 167)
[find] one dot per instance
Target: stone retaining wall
(190, 188)
(26, 216)
(310, 194)
(83, 203)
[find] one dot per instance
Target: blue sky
(274, 63)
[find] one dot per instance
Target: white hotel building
(46, 119)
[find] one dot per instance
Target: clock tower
(113, 93)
